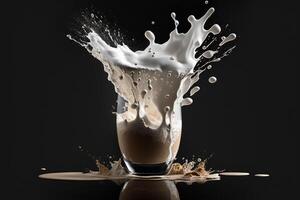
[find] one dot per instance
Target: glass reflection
(149, 189)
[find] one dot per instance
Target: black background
(61, 98)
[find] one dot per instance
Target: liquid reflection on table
(75, 185)
(145, 189)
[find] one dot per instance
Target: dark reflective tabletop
(246, 187)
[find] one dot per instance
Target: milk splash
(154, 81)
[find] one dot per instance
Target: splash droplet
(209, 54)
(262, 175)
(194, 90)
(234, 174)
(229, 38)
(212, 79)
(186, 101)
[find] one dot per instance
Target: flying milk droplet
(186, 101)
(212, 79)
(194, 90)
(229, 38)
(215, 29)
(173, 15)
(262, 175)
(150, 36)
(209, 54)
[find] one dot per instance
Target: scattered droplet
(43, 169)
(209, 54)
(186, 101)
(173, 14)
(212, 79)
(152, 22)
(234, 173)
(150, 36)
(194, 90)
(209, 67)
(262, 175)
(206, 2)
(229, 38)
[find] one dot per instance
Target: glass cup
(145, 150)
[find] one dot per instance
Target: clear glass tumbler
(145, 150)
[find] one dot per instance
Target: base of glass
(147, 169)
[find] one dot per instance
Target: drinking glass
(146, 150)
